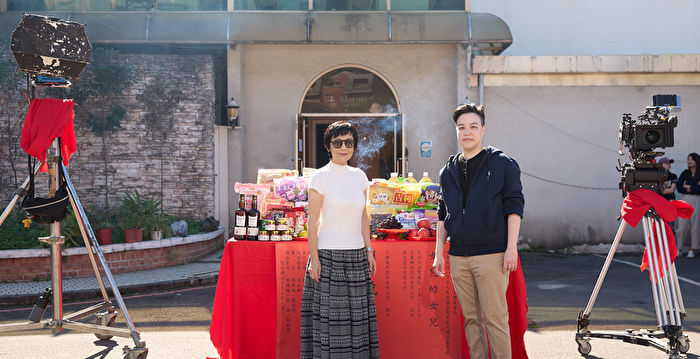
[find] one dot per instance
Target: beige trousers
(691, 225)
(481, 286)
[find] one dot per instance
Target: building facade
(398, 68)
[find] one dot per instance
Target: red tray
(424, 239)
(303, 239)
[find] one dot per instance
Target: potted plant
(103, 221)
(131, 217)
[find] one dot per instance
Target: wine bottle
(253, 217)
(239, 229)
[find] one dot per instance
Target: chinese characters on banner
(411, 301)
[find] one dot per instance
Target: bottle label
(253, 221)
(240, 221)
(252, 231)
(239, 231)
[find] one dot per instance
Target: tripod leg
(668, 273)
(120, 301)
(678, 289)
(19, 194)
(651, 256)
(604, 271)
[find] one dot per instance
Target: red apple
(424, 232)
(433, 232)
(413, 232)
(423, 223)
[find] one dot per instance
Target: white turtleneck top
(343, 189)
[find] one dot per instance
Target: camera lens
(652, 136)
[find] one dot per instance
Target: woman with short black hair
(338, 314)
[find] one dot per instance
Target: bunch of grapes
(390, 223)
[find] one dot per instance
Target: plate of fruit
(391, 230)
(424, 232)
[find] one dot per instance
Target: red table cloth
(258, 299)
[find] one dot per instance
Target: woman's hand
(372, 262)
(315, 269)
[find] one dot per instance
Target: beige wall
(274, 78)
(565, 140)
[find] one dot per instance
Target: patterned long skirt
(338, 316)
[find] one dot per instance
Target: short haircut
(339, 128)
(469, 108)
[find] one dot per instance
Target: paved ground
(175, 323)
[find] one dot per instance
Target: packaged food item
(267, 176)
(282, 224)
(376, 219)
(275, 236)
(403, 199)
(248, 189)
(429, 214)
(264, 236)
(407, 219)
(429, 197)
(269, 225)
(291, 188)
(381, 195)
(286, 236)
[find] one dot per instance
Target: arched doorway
(359, 95)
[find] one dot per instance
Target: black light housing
(232, 113)
(50, 46)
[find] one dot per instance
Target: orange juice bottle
(394, 178)
(425, 178)
(410, 178)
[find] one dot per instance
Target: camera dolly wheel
(584, 346)
(108, 320)
(683, 344)
(134, 353)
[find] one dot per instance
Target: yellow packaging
(381, 195)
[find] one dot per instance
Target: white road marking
(683, 279)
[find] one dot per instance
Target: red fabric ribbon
(47, 119)
(636, 205)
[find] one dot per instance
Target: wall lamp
(232, 113)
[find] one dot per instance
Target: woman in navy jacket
(480, 209)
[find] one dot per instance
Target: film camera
(651, 130)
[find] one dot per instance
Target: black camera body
(653, 129)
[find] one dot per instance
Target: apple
(433, 232)
(424, 232)
(423, 223)
(413, 232)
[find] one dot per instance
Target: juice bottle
(410, 178)
(394, 177)
(425, 178)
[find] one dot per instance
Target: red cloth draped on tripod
(636, 205)
(47, 119)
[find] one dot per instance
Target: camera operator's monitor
(673, 102)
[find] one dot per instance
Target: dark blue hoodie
(479, 226)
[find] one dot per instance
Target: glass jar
(264, 236)
(275, 236)
(286, 236)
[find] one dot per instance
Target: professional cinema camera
(651, 130)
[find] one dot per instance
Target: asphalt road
(175, 324)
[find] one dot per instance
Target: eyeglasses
(349, 143)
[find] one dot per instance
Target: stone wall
(172, 160)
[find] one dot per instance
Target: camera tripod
(105, 312)
(668, 302)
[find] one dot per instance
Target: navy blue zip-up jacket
(479, 226)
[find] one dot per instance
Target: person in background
(480, 209)
(338, 314)
(669, 188)
(689, 187)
